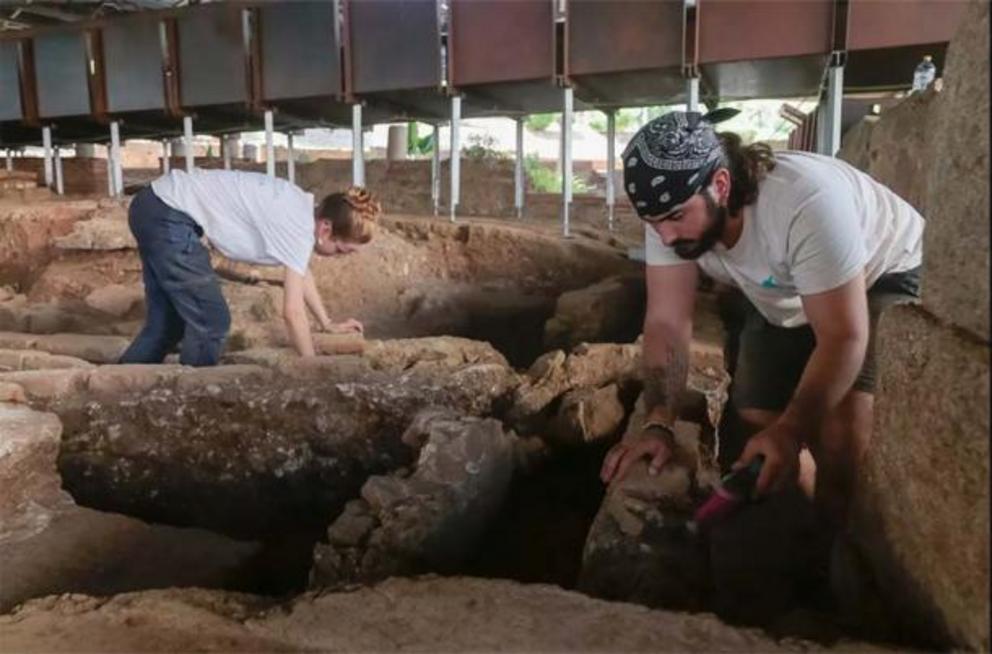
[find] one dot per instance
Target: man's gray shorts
(766, 361)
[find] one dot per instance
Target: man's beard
(693, 249)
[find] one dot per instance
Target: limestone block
(122, 379)
(99, 233)
(427, 522)
(11, 392)
(430, 613)
(227, 375)
(339, 343)
(97, 349)
(609, 311)
(921, 510)
(956, 239)
(17, 341)
(28, 448)
(405, 353)
(48, 385)
(119, 300)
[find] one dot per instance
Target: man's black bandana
(669, 159)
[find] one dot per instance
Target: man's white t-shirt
(249, 217)
(816, 224)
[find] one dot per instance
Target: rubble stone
(123, 379)
(956, 240)
(429, 521)
(638, 548)
(920, 513)
(588, 414)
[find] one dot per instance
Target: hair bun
(363, 202)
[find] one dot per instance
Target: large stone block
(438, 614)
(48, 385)
(956, 240)
(920, 517)
(609, 311)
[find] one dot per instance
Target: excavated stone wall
(917, 560)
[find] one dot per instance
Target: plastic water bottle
(924, 74)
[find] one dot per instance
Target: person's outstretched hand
(780, 444)
(653, 443)
(349, 326)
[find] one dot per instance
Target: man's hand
(780, 444)
(349, 326)
(652, 443)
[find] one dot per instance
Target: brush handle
(740, 483)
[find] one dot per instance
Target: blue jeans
(182, 294)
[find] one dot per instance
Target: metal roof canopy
(625, 53)
(10, 81)
(501, 57)
(396, 84)
(300, 62)
(214, 88)
(755, 49)
(884, 46)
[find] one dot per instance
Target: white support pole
(270, 150)
(290, 159)
(518, 171)
(166, 156)
(10, 160)
(46, 140)
(566, 160)
(611, 162)
(110, 174)
(188, 142)
(357, 147)
(456, 154)
(692, 94)
(59, 186)
(436, 170)
(225, 148)
(835, 97)
(115, 158)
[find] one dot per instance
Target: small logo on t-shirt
(769, 282)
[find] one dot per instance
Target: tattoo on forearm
(663, 384)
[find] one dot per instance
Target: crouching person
(248, 217)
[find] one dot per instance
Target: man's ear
(721, 185)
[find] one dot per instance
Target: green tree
(540, 122)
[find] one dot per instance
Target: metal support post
(59, 186)
(115, 158)
(692, 94)
(566, 160)
(110, 174)
(225, 148)
(290, 159)
(188, 142)
(456, 155)
(835, 97)
(166, 156)
(46, 139)
(270, 150)
(611, 162)
(10, 160)
(518, 171)
(436, 170)
(357, 147)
